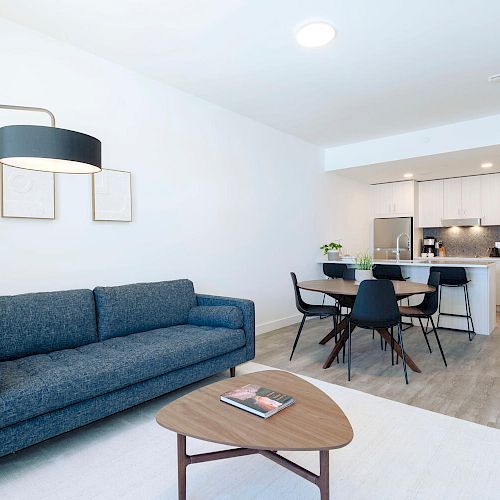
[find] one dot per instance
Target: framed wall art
(28, 194)
(112, 196)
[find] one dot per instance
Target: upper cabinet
(430, 203)
(490, 200)
(462, 198)
(403, 198)
(471, 196)
(395, 199)
(452, 198)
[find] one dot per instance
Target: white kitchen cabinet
(430, 203)
(490, 200)
(471, 197)
(381, 200)
(452, 198)
(462, 198)
(403, 198)
(395, 199)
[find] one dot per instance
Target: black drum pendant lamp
(50, 149)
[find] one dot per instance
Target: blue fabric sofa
(72, 357)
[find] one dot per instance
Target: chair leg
(392, 345)
(322, 316)
(349, 355)
(471, 332)
(439, 306)
(410, 324)
(439, 343)
(425, 334)
(343, 351)
(400, 339)
(373, 333)
(298, 335)
(335, 325)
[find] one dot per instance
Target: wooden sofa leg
(233, 371)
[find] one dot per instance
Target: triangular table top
(313, 422)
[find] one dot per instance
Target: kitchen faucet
(398, 251)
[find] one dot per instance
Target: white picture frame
(27, 194)
(112, 196)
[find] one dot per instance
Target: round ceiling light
(488, 164)
(316, 34)
(408, 176)
(494, 78)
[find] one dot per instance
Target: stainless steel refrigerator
(385, 235)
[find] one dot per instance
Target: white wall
(459, 136)
(350, 216)
(220, 199)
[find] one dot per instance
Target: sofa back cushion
(37, 323)
(122, 310)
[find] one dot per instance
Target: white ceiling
(425, 168)
(394, 67)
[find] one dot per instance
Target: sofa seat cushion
(38, 384)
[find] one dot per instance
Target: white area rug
(398, 452)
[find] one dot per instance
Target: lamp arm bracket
(30, 108)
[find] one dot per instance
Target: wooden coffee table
(313, 422)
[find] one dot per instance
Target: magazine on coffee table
(258, 400)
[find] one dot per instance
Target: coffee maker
(495, 251)
(429, 246)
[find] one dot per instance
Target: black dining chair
(310, 310)
(349, 274)
(390, 272)
(347, 301)
(376, 307)
(333, 271)
(426, 309)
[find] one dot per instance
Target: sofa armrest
(216, 316)
(247, 308)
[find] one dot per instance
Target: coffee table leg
(182, 463)
(324, 474)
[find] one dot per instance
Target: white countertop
(444, 262)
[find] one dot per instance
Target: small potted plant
(364, 266)
(331, 249)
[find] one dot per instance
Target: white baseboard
(277, 323)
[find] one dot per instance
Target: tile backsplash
(465, 241)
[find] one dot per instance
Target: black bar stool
(456, 277)
(391, 272)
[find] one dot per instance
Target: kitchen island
(482, 289)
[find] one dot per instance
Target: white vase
(362, 275)
(333, 254)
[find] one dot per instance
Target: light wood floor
(468, 389)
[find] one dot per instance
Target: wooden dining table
(343, 290)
